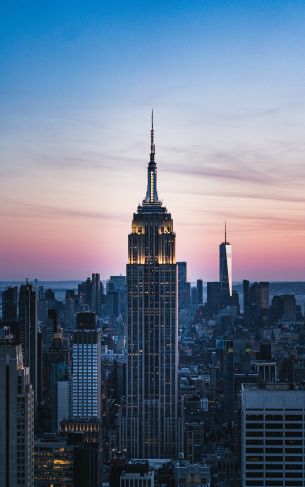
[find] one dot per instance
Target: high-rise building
(84, 425)
(225, 270)
(256, 302)
(86, 368)
(151, 425)
(256, 294)
(184, 288)
(29, 332)
(9, 304)
(56, 367)
(85, 435)
(200, 291)
(96, 293)
(228, 375)
(273, 431)
(16, 417)
(283, 308)
(54, 462)
(213, 297)
(70, 308)
(116, 296)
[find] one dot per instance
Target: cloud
(241, 174)
(252, 196)
(30, 210)
(250, 114)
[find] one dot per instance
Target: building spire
(225, 232)
(152, 136)
(151, 193)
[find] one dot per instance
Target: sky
(78, 81)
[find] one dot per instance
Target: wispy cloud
(243, 174)
(30, 210)
(252, 196)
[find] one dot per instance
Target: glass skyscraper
(151, 425)
(225, 270)
(86, 368)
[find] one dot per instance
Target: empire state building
(151, 424)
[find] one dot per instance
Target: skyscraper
(225, 270)
(86, 368)
(84, 425)
(9, 303)
(150, 426)
(272, 435)
(16, 417)
(184, 288)
(213, 297)
(29, 332)
(96, 293)
(200, 291)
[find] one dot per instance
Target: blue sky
(77, 83)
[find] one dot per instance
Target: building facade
(273, 428)
(151, 426)
(86, 368)
(137, 479)
(29, 332)
(9, 303)
(54, 462)
(16, 417)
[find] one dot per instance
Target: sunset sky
(78, 80)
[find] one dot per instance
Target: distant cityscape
(147, 379)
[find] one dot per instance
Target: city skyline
(74, 137)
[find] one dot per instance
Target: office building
(116, 296)
(256, 294)
(200, 291)
(70, 308)
(16, 416)
(96, 294)
(29, 333)
(213, 297)
(150, 425)
(86, 368)
(184, 287)
(54, 462)
(9, 304)
(273, 431)
(85, 436)
(228, 376)
(283, 308)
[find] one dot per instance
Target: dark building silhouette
(10, 304)
(29, 332)
(228, 375)
(96, 294)
(283, 308)
(116, 296)
(184, 287)
(213, 297)
(86, 438)
(199, 291)
(256, 302)
(16, 416)
(70, 301)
